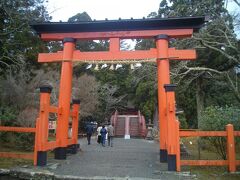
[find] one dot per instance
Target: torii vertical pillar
(64, 98)
(163, 78)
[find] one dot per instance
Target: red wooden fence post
(231, 148)
(178, 156)
(36, 142)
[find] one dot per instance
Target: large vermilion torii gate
(114, 30)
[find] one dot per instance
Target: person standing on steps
(103, 135)
(89, 130)
(110, 135)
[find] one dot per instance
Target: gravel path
(134, 158)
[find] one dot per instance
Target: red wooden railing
(13, 154)
(42, 144)
(230, 134)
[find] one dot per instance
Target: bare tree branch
(236, 1)
(224, 74)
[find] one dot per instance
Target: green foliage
(145, 98)
(186, 100)
(18, 43)
(88, 45)
(142, 84)
(217, 93)
(80, 17)
(215, 118)
(115, 78)
(185, 8)
(17, 141)
(7, 116)
(221, 53)
(24, 141)
(19, 47)
(183, 121)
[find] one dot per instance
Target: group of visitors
(103, 133)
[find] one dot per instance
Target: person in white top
(99, 134)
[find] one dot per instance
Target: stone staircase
(120, 127)
(129, 125)
(134, 127)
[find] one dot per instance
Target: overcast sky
(101, 9)
(110, 9)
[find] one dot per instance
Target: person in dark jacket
(103, 135)
(89, 130)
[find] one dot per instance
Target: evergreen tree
(214, 63)
(217, 57)
(18, 43)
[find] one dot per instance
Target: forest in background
(207, 89)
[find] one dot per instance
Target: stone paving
(133, 159)
(128, 159)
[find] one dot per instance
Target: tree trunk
(155, 118)
(200, 107)
(199, 99)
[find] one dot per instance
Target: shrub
(24, 141)
(183, 121)
(215, 118)
(7, 118)
(26, 118)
